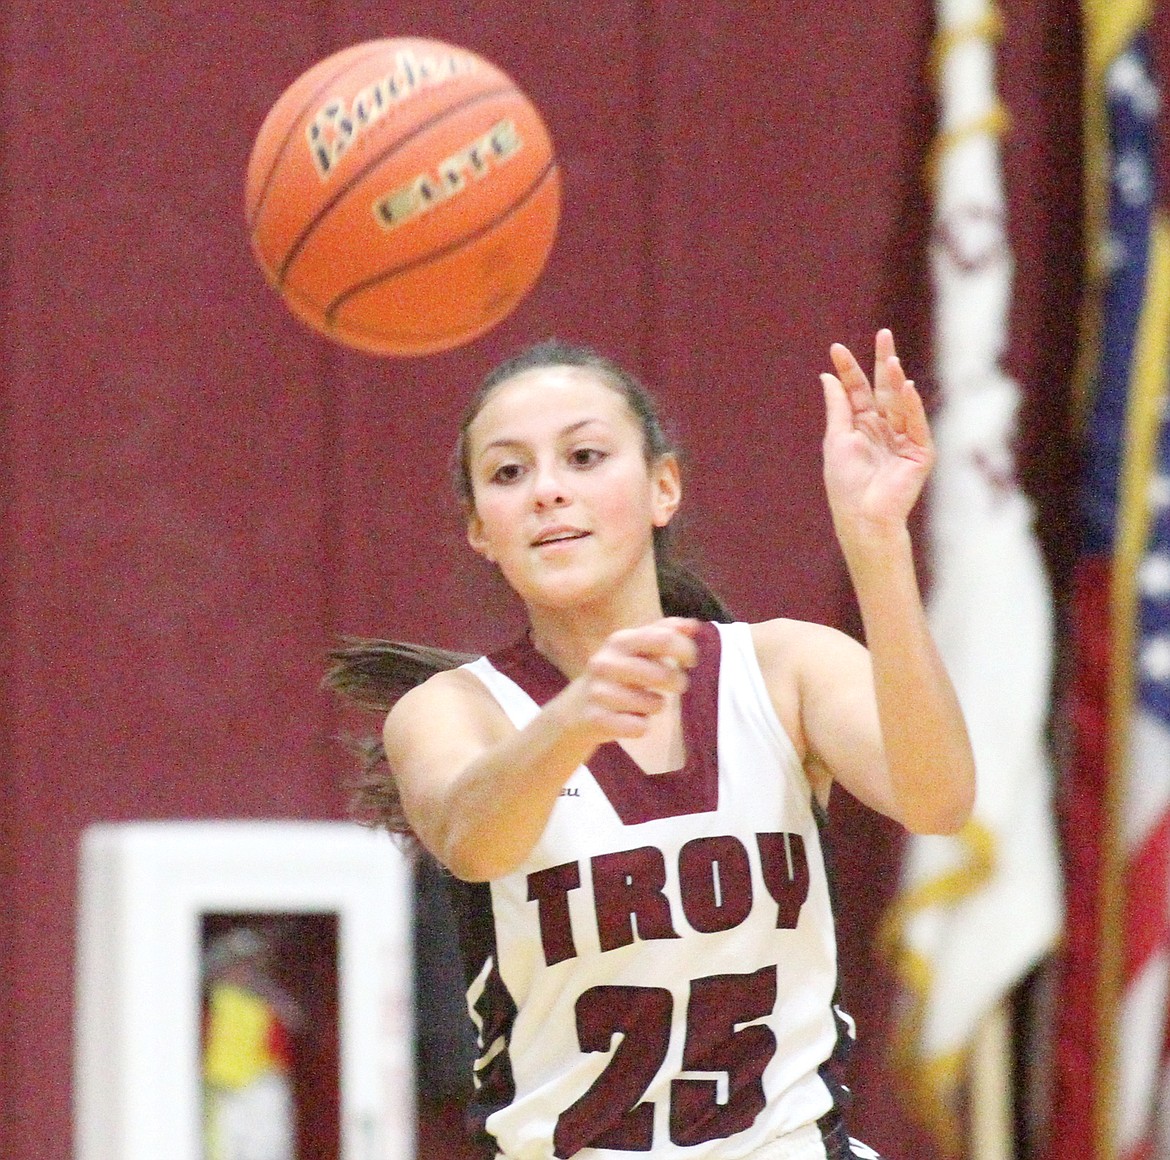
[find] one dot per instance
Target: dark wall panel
(783, 162)
(166, 585)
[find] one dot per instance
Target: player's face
(565, 502)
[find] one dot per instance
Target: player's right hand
(633, 674)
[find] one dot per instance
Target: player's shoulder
(785, 644)
(785, 632)
(448, 696)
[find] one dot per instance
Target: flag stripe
(1146, 924)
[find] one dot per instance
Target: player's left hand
(878, 449)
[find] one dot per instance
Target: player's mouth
(558, 535)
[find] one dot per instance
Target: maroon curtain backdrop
(199, 494)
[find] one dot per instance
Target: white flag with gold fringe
(976, 911)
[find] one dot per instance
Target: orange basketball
(402, 196)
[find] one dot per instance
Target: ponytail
(683, 593)
(372, 675)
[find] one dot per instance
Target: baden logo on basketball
(335, 126)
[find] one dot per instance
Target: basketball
(402, 196)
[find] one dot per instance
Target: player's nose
(549, 487)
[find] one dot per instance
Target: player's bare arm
(905, 749)
(477, 791)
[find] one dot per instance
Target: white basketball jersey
(660, 973)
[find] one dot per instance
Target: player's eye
(586, 456)
(506, 473)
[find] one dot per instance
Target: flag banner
(976, 911)
(1111, 1026)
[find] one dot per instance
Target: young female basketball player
(630, 799)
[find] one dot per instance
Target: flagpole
(991, 1083)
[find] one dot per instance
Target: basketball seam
(331, 310)
(307, 230)
(296, 123)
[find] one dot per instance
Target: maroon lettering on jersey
(628, 889)
(722, 1037)
(715, 881)
(549, 889)
(785, 867)
(633, 1023)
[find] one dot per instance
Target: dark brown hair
(373, 674)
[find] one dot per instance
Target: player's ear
(666, 480)
(477, 539)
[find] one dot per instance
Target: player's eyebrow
(571, 429)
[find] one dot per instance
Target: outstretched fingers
(890, 409)
(914, 428)
(887, 370)
(852, 378)
(838, 410)
(896, 397)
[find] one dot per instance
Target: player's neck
(569, 637)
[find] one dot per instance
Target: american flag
(1111, 1034)
(1143, 1123)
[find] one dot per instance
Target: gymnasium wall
(199, 495)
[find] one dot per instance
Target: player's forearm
(928, 751)
(493, 814)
